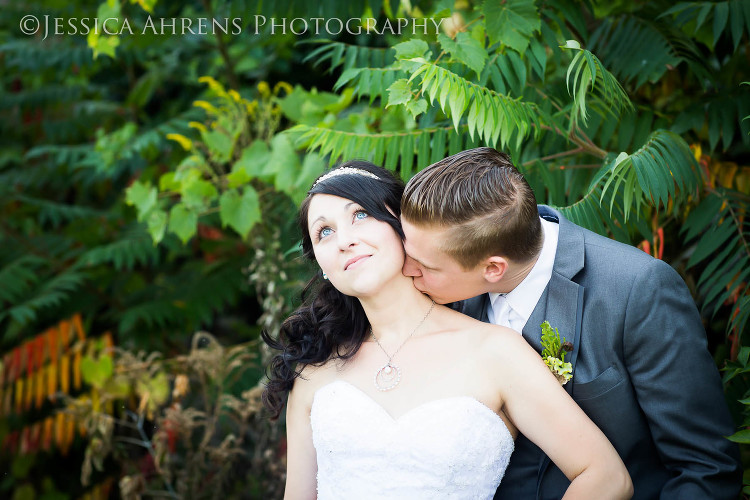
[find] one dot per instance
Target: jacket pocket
(603, 383)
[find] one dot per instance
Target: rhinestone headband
(345, 171)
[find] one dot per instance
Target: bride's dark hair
(329, 324)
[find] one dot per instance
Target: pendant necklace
(388, 377)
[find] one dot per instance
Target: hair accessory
(389, 375)
(345, 171)
(325, 276)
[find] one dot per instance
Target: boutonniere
(553, 353)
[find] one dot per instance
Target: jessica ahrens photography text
(47, 25)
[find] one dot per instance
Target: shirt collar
(523, 298)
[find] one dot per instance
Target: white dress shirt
(513, 309)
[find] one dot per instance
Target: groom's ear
(494, 268)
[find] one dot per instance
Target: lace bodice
(448, 448)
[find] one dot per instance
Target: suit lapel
(562, 301)
(563, 307)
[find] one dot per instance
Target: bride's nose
(346, 237)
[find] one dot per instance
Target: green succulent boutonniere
(553, 353)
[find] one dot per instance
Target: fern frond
(734, 14)
(50, 294)
(507, 71)
(226, 283)
(48, 95)
(155, 137)
(587, 78)
(32, 55)
(348, 56)
(492, 116)
(634, 49)
(173, 305)
(725, 114)
(54, 214)
(663, 169)
(59, 154)
(373, 82)
(131, 249)
(394, 148)
(151, 314)
(720, 229)
(19, 276)
(589, 212)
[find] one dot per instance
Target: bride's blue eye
(361, 214)
(324, 232)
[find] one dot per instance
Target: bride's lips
(354, 260)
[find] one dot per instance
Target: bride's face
(358, 252)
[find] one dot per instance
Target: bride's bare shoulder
(311, 378)
(492, 339)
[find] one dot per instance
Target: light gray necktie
(501, 311)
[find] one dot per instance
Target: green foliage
(606, 93)
(205, 420)
(653, 169)
(732, 15)
(553, 353)
(623, 41)
(150, 181)
(511, 23)
(552, 345)
(721, 232)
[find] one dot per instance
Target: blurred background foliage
(149, 181)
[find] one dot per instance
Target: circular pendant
(387, 377)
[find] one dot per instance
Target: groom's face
(434, 272)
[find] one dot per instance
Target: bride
(393, 396)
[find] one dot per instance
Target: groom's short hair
(484, 202)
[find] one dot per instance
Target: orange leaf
(47, 433)
(28, 393)
(108, 343)
(30, 358)
(39, 388)
(79, 327)
(19, 395)
(53, 345)
(60, 430)
(52, 381)
(5, 369)
(17, 354)
(64, 334)
(69, 433)
(77, 370)
(39, 344)
(64, 368)
(660, 239)
(35, 435)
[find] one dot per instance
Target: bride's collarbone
(418, 385)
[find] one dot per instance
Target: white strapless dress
(448, 448)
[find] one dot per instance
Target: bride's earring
(325, 276)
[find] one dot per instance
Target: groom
(641, 369)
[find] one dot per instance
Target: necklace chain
(391, 374)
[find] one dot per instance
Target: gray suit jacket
(641, 371)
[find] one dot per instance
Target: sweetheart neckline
(396, 420)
